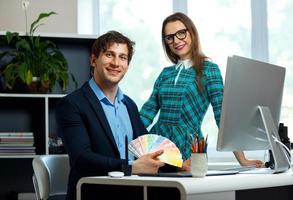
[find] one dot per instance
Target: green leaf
(29, 77)
(35, 24)
(22, 72)
(10, 74)
(10, 36)
(34, 29)
(45, 77)
(23, 44)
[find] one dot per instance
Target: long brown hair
(197, 56)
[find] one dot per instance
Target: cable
(288, 153)
(266, 156)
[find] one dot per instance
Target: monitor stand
(281, 159)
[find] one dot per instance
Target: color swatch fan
(150, 143)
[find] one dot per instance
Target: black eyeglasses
(181, 34)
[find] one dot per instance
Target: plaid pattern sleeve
(151, 107)
(214, 87)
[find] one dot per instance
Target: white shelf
(57, 35)
(18, 156)
(32, 95)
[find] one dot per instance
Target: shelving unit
(36, 113)
(42, 109)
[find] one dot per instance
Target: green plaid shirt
(182, 106)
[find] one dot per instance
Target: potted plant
(32, 63)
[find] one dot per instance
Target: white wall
(12, 16)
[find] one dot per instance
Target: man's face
(111, 65)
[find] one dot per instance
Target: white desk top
(207, 184)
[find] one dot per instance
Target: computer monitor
(251, 109)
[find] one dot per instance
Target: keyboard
(251, 170)
(241, 168)
(258, 171)
(221, 172)
(188, 174)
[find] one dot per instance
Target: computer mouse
(116, 174)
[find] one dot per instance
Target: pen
(196, 144)
(193, 147)
(201, 145)
(192, 144)
(125, 167)
(126, 149)
(206, 144)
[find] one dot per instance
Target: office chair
(50, 176)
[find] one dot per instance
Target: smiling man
(94, 120)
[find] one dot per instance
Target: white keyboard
(251, 170)
(241, 168)
(258, 171)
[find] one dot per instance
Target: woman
(183, 92)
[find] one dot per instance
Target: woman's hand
(186, 165)
(245, 162)
(257, 163)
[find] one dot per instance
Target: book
(16, 134)
(16, 139)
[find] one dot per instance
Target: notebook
(188, 174)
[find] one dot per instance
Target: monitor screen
(251, 88)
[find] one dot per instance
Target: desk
(211, 187)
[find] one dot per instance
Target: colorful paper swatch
(150, 143)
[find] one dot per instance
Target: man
(94, 120)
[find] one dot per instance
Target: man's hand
(148, 163)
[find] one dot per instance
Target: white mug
(198, 164)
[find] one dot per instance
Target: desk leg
(78, 191)
(228, 195)
(145, 193)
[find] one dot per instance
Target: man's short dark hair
(106, 40)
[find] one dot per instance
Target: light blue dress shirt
(117, 116)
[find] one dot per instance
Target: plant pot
(37, 86)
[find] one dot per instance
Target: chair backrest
(50, 175)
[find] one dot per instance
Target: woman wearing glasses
(183, 92)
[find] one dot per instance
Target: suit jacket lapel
(132, 117)
(97, 107)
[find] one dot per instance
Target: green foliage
(29, 56)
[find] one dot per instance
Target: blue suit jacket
(87, 136)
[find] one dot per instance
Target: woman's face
(178, 38)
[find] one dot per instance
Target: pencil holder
(199, 164)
